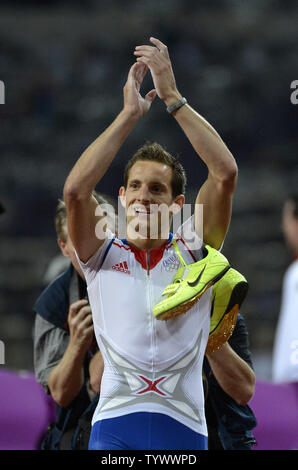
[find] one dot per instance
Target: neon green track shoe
(190, 283)
(227, 296)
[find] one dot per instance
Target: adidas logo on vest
(122, 267)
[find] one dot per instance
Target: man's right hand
(134, 103)
(80, 325)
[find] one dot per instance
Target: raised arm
(94, 162)
(217, 192)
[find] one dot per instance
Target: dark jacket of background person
(229, 424)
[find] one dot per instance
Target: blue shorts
(144, 431)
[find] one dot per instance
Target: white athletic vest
(150, 365)
(285, 352)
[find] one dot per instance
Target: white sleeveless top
(149, 365)
(285, 351)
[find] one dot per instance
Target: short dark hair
(156, 153)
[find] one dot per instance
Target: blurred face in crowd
(290, 225)
(68, 250)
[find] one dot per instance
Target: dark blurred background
(64, 64)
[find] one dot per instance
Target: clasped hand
(156, 59)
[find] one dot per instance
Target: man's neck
(146, 244)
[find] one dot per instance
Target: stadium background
(64, 64)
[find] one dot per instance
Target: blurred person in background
(67, 362)
(285, 351)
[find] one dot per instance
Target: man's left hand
(158, 61)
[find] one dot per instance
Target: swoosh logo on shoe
(197, 280)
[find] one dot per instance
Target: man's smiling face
(149, 189)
